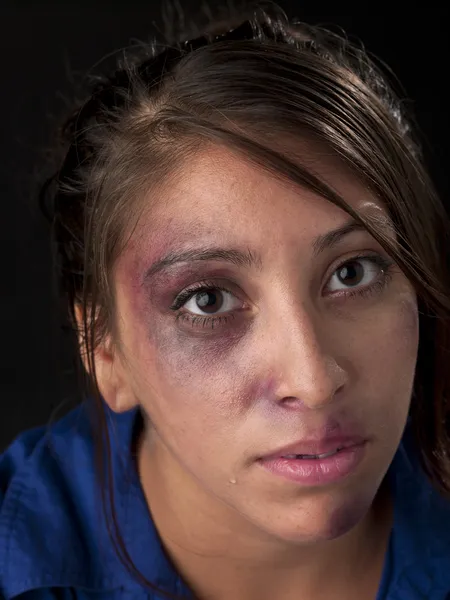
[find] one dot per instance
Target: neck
(221, 555)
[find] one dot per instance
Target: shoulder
(51, 525)
(42, 458)
(37, 462)
(28, 444)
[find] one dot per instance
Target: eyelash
(206, 286)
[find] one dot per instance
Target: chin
(322, 520)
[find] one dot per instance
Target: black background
(44, 46)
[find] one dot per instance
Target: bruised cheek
(193, 371)
(198, 356)
(220, 375)
(205, 374)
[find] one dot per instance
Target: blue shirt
(54, 543)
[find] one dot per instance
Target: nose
(310, 375)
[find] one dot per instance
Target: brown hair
(243, 80)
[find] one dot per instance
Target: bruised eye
(211, 301)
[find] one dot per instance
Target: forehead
(221, 194)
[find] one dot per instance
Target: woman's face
(313, 335)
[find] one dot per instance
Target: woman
(292, 441)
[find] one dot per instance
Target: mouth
(316, 449)
(312, 456)
(318, 468)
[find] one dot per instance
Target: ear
(112, 377)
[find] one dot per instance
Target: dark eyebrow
(331, 238)
(246, 258)
(236, 257)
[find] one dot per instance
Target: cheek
(399, 335)
(388, 334)
(184, 380)
(194, 360)
(384, 353)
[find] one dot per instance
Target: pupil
(207, 300)
(351, 273)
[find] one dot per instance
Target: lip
(315, 447)
(315, 472)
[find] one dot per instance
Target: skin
(299, 358)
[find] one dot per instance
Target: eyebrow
(246, 258)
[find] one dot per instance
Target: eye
(211, 301)
(358, 272)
